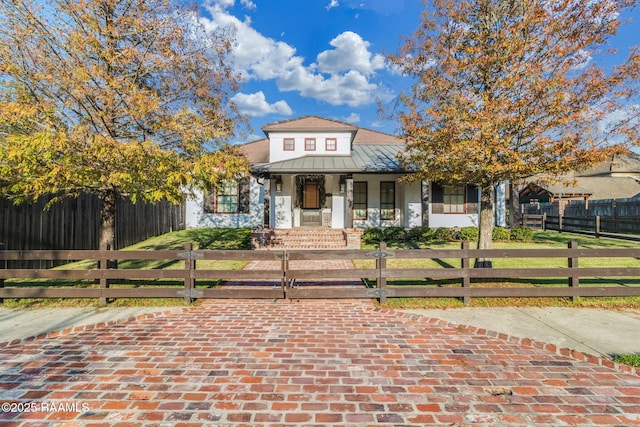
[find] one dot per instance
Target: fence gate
(319, 274)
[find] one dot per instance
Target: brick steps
(313, 238)
(309, 239)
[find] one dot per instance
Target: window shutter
(437, 198)
(472, 199)
(209, 201)
(244, 196)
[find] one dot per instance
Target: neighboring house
(318, 172)
(617, 178)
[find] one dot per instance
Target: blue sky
(327, 57)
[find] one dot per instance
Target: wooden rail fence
(279, 281)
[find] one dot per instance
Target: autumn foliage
(507, 89)
(113, 97)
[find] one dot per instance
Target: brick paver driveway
(308, 363)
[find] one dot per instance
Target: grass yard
(628, 359)
(540, 240)
(217, 239)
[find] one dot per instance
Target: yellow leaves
(506, 93)
(117, 96)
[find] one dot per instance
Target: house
(617, 178)
(317, 172)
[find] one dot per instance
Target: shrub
(394, 235)
(445, 234)
(523, 234)
(420, 234)
(501, 233)
(469, 233)
(372, 235)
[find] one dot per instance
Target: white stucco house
(313, 171)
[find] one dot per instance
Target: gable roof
(309, 124)
(368, 136)
(370, 158)
(372, 151)
(256, 152)
(628, 163)
(593, 187)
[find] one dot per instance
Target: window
(360, 200)
(224, 199)
(454, 199)
(388, 200)
(289, 144)
(310, 144)
(331, 144)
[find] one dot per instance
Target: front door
(311, 215)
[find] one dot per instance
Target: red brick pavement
(254, 363)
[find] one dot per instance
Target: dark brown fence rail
(192, 274)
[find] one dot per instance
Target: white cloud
(223, 3)
(334, 3)
(351, 53)
(342, 76)
(254, 56)
(248, 4)
(352, 118)
(256, 105)
(352, 88)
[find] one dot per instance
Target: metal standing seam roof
(363, 158)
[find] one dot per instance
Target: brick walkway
(325, 265)
(253, 363)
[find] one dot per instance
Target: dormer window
(289, 144)
(331, 144)
(309, 144)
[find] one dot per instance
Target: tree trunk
(108, 223)
(486, 225)
(515, 215)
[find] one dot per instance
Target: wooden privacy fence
(597, 225)
(191, 276)
(74, 223)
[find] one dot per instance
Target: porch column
(425, 193)
(349, 204)
(266, 196)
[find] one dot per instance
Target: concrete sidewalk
(19, 324)
(592, 331)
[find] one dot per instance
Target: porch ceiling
(364, 158)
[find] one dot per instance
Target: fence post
(189, 265)
(574, 280)
(559, 223)
(544, 221)
(597, 226)
(104, 265)
(466, 280)
(381, 263)
(284, 266)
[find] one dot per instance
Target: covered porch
(309, 200)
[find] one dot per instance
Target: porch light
(343, 183)
(278, 183)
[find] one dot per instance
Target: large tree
(507, 89)
(113, 97)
